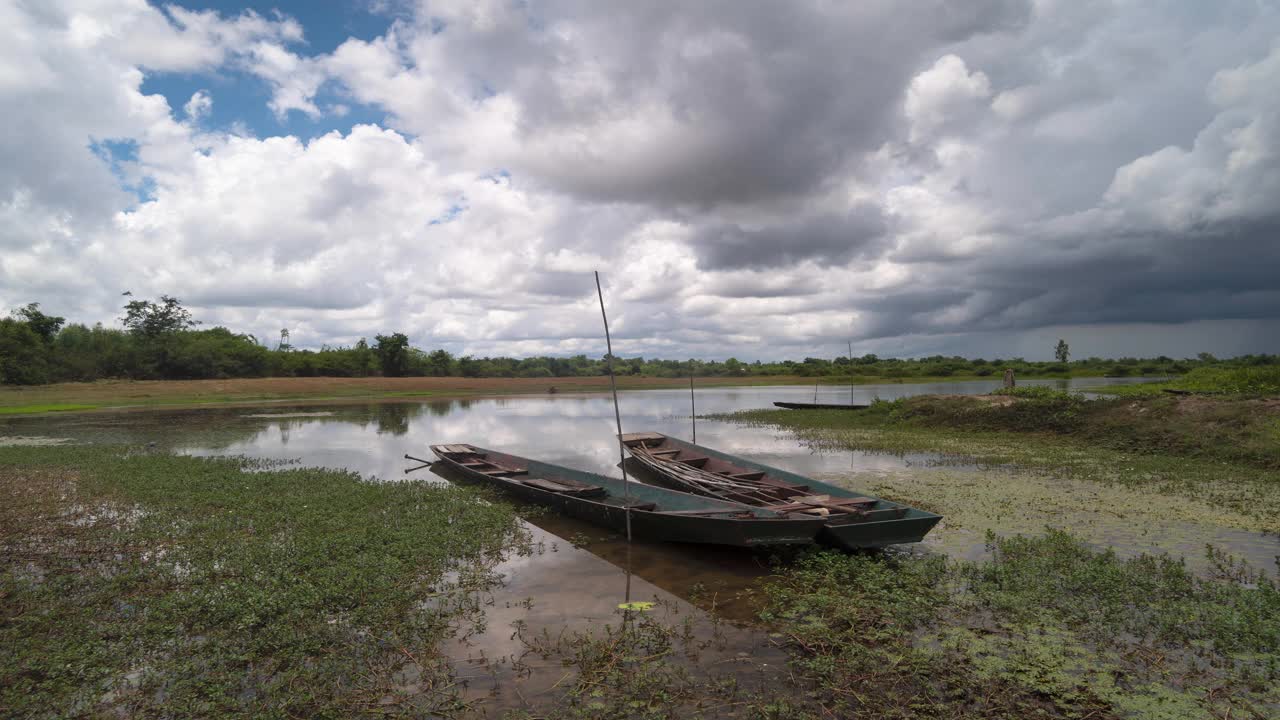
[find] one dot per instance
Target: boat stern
(876, 534)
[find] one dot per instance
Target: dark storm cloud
(681, 104)
(1220, 272)
(761, 285)
(826, 239)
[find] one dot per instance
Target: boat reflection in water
(573, 584)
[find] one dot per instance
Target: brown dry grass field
(116, 394)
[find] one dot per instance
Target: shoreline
(133, 395)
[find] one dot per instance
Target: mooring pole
(617, 416)
(693, 409)
(849, 366)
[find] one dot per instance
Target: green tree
(23, 354)
(151, 320)
(440, 363)
(393, 354)
(45, 326)
(1062, 352)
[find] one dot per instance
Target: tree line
(159, 340)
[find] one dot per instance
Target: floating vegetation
(235, 593)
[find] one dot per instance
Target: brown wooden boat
(852, 519)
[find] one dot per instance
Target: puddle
(20, 440)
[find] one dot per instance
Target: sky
(751, 179)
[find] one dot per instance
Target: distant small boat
(852, 520)
(819, 406)
(656, 513)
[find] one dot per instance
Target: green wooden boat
(657, 513)
(851, 520)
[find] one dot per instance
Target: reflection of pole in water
(693, 410)
(617, 415)
(628, 570)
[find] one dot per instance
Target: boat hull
(848, 534)
(818, 406)
(656, 525)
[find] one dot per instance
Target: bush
(22, 355)
(1256, 380)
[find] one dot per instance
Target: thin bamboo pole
(849, 366)
(693, 409)
(617, 415)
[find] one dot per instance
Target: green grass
(45, 408)
(1227, 430)
(1261, 381)
(158, 585)
(1224, 453)
(1049, 628)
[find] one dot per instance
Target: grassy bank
(154, 585)
(1222, 452)
(1261, 381)
(1049, 628)
(110, 394)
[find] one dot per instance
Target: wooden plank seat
(696, 461)
(559, 487)
(642, 437)
(639, 505)
(839, 505)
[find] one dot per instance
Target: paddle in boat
(851, 520)
(657, 513)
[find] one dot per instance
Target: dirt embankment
(118, 393)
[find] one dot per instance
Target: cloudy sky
(764, 180)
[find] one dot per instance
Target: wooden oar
(418, 459)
